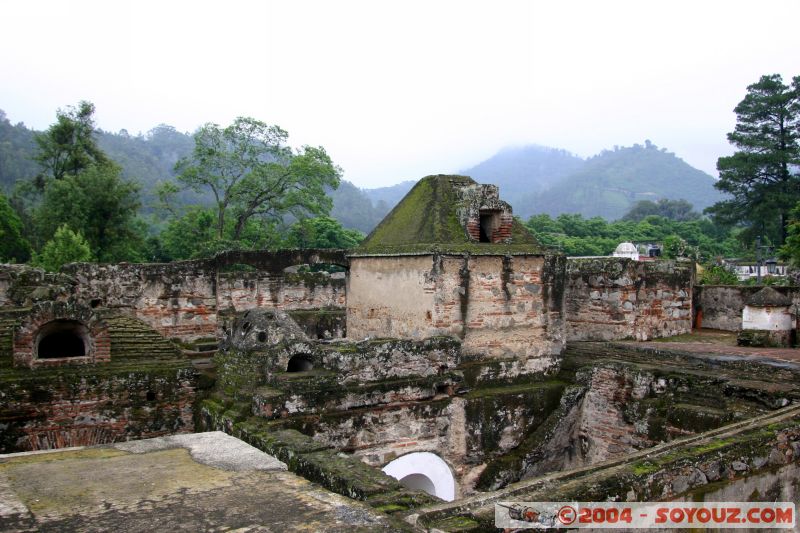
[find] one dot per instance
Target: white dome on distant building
(627, 249)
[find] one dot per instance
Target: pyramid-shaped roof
(435, 216)
(769, 297)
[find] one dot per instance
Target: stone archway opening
(300, 363)
(62, 339)
(424, 471)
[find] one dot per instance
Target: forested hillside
(149, 160)
(610, 183)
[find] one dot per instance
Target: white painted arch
(424, 471)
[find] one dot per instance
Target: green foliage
(251, 174)
(68, 146)
(66, 246)
(791, 248)
(353, 208)
(773, 281)
(150, 160)
(322, 232)
(717, 275)
(679, 210)
(16, 147)
(13, 246)
(759, 175)
(673, 247)
(577, 236)
(99, 205)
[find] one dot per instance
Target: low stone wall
(611, 298)
(721, 306)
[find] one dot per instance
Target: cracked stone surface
(200, 482)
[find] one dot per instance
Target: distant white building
(627, 249)
(745, 270)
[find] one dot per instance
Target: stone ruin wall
(74, 408)
(184, 300)
(499, 306)
(512, 304)
(618, 298)
(721, 306)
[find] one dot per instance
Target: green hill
(520, 171)
(610, 183)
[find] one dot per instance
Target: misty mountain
(16, 151)
(354, 209)
(610, 183)
(385, 198)
(520, 171)
(534, 179)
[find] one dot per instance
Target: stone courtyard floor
(717, 343)
(198, 482)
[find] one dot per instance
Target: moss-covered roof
(426, 220)
(769, 297)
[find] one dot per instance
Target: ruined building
(440, 360)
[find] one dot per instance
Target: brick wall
(77, 407)
(94, 333)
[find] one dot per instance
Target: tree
(761, 176)
(13, 246)
(68, 146)
(252, 174)
(323, 232)
(679, 210)
(717, 275)
(66, 246)
(99, 205)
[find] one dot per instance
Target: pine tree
(762, 176)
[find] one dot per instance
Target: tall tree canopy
(69, 146)
(761, 176)
(98, 204)
(679, 210)
(251, 173)
(82, 189)
(13, 245)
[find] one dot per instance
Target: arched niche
(61, 333)
(424, 471)
(300, 363)
(61, 339)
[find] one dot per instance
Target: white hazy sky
(397, 90)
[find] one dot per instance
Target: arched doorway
(424, 471)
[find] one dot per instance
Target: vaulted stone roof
(769, 297)
(442, 213)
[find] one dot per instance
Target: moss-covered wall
(746, 461)
(94, 404)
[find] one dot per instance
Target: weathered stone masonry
(610, 298)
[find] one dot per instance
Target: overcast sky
(399, 90)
